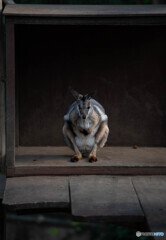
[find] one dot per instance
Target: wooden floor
(114, 199)
(111, 160)
(108, 156)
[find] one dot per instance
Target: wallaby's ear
(91, 95)
(75, 94)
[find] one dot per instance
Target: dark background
(125, 64)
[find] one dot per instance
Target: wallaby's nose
(84, 117)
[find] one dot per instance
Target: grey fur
(85, 126)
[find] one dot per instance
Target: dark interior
(126, 64)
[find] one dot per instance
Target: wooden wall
(127, 66)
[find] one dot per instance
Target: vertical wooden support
(10, 94)
(2, 210)
(2, 96)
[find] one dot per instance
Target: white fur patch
(85, 123)
(67, 116)
(85, 143)
(102, 114)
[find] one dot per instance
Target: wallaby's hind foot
(92, 159)
(75, 158)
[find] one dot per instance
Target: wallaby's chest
(86, 127)
(84, 124)
(85, 138)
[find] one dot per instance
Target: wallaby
(85, 126)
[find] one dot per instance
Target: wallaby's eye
(88, 107)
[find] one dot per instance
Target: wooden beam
(2, 96)
(151, 191)
(86, 14)
(2, 128)
(104, 198)
(36, 192)
(58, 10)
(67, 171)
(107, 157)
(10, 94)
(111, 161)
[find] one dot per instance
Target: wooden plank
(112, 21)
(67, 171)
(36, 192)
(104, 198)
(86, 15)
(108, 156)
(84, 10)
(2, 96)
(151, 191)
(10, 95)
(111, 161)
(2, 128)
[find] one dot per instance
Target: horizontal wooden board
(151, 191)
(111, 160)
(108, 156)
(90, 21)
(36, 192)
(67, 171)
(104, 198)
(84, 10)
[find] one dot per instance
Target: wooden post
(10, 95)
(2, 210)
(2, 97)
(2, 129)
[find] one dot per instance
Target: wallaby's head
(83, 103)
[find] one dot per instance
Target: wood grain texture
(151, 191)
(111, 161)
(104, 198)
(67, 171)
(107, 157)
(36, 192)
(84, 10)
(129, 76)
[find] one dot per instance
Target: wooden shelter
(118, 50)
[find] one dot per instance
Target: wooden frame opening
(119, 53)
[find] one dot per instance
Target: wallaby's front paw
(92, 159)
(75, 158)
